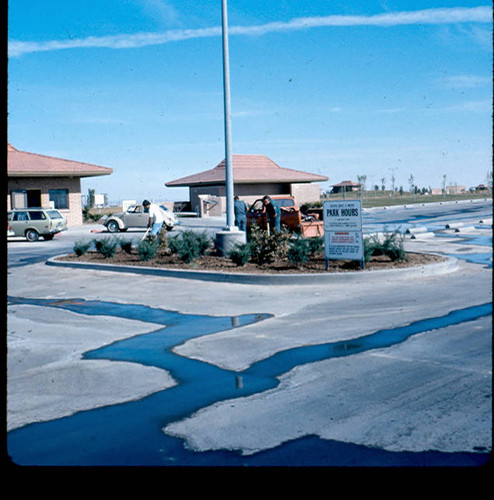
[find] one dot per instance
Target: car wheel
(32, 235)
(113, 227)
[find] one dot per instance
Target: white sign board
(342, 215)
(343, 230)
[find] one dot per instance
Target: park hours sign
(343, 231)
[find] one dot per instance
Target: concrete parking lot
(406, 367)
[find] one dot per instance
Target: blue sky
(344, 89)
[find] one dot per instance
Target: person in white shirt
(156, 218)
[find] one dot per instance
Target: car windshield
(135, 210)
(54, 214)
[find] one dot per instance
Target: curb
(447, 266)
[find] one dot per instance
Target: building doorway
(26, 198)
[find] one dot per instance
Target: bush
(97, 245)
(126, 246)
(240, 254)
(299, 251)
(189, 245)
(391, 246)
(316, 245)
(303, 249)
(81, 247)
(267, 248)
(107, 247)
(147, 249)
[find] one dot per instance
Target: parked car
(10, 231)
(35, 222)
(135, 216)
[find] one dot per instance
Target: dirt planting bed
(214, 263)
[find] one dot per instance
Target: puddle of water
(131, 433)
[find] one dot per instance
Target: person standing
(240, 210)
(273, 212)
(156, 219)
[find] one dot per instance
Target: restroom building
(254, 176)
(35, 180)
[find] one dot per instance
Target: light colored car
(35, 222)
(135, 216)
(10, 231)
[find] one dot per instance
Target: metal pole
(230, 222)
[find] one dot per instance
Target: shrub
(107, 247)
(316, 245)
(81, 247)
(299, 251)
(189, 245)
(267, 248)
(240, 254)
(147, 249)
(98, 244)
(391, 246)
(126, 246)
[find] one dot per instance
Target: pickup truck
(292, 217)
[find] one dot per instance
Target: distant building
(35, 180)
(254, 176)
(456, 189)
(345, 187)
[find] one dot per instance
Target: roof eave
(57, 174)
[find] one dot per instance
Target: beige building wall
(73, 213)
(306, 193)
(211, 200)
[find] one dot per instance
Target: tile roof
(346, 183)
(248, 169)
(23, 164)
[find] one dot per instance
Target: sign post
(343, 237)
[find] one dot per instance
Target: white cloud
(428, 16)
(465, 81)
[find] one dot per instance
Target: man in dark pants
(273, 212)
(240, 209)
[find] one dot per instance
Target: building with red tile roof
(35, 180)
(254, 176)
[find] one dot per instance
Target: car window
(20, 216)
(285, 202)
(257, 206)
(135, 210)
(54, 214)
(36, 215)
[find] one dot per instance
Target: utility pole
(228, 125)
(230, 236)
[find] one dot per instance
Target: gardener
(156, 218)
(273, 213)
(240, 209)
